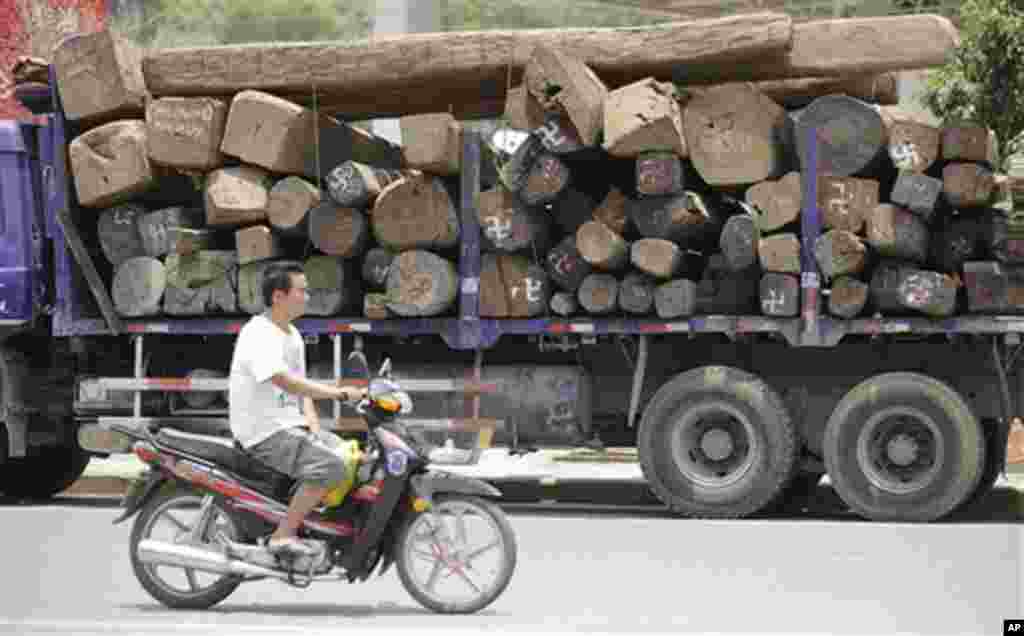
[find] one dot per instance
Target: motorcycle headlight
(389, 403)
(396, 402)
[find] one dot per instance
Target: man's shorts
(307, 457)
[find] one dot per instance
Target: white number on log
(342, 179)
(904, 155)
(918, 290)
(497, 229)
(563, 264)
(533, 287)
(159, 234)
(551, 135)
(773, 302)
(839, 203)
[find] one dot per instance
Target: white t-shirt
(258, 409)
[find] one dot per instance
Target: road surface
(581, 569)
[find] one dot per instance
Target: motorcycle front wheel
(458, 557)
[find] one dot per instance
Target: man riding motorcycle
(268, 381)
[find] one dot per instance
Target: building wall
(33, 28)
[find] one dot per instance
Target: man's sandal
(290, 545)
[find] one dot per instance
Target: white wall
(395, 17)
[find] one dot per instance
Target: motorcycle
(204, 506)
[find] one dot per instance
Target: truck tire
(717, 442)
(995, 452)
(903, 447)
(4, 460)
(44, 475)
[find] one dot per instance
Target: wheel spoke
(178, 522)
(464, 575)
(190, 574)
(435, 574)
(461, 536)
(430, 556)
(207, 513)
(475, 553)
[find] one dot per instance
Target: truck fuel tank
(535, 404)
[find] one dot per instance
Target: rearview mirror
(357, 367)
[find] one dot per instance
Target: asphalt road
(581, 569)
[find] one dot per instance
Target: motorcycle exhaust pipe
(185, 556)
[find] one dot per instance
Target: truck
(729, 414)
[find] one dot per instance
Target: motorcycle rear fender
(141, 492)
(429, 484)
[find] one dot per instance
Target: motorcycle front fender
(141, 492)
(431, 483)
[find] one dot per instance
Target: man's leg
(304, 501)
(317, 468)
(297, 454)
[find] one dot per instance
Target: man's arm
(315, 390)
(309, 409)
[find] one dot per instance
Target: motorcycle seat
(221, 451)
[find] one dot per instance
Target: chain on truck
(730, 414)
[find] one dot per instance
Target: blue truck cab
(24, 169)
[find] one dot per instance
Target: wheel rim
(714, 445)
(457, 554)
(173, 521)
(900, 450)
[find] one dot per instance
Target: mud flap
(142, 490)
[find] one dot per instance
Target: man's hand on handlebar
(351, 394)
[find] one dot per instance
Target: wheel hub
(900, 450)
(717, 444)
(714, 445)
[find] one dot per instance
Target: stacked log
(627, 194)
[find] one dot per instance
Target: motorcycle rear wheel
(181, 511)
(441, 540)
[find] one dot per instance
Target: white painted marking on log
(889, 326)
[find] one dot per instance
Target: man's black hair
(278, 276)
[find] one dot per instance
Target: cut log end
(511, 286)
(733, 133)
(599, 293)
(601, 247)
(657, 257)
(415, 214)
(676, 299)
(898, 233)
(338, 231)
(777, 201)
(845, 202)
(421, 283)
(739, 241)
(138, 287)
(839, 252)
(780, 295)
(847, 297)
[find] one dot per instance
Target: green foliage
(985, 78)
(478, 15)
(182, 23)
